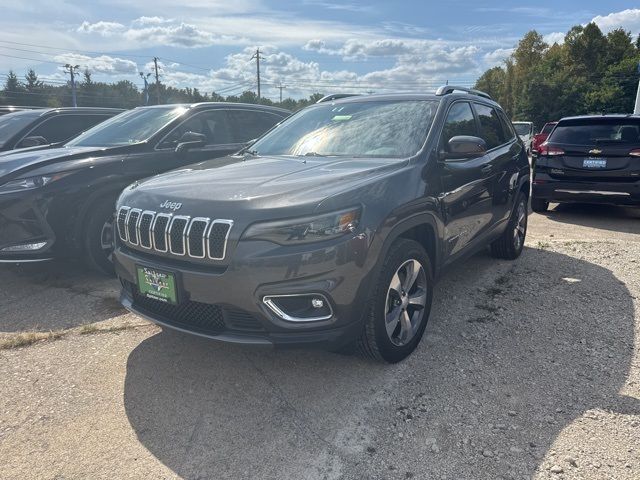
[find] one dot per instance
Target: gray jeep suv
(330, 229)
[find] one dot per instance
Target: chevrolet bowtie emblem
(595, 151)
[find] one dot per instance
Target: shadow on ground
(54, 295)
(514, 353)
(602, 217)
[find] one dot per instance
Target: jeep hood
(298, 184)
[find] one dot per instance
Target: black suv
(30, 128)
(331, 228)
(591, 159)
(61, 201)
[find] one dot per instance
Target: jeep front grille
(197, 237)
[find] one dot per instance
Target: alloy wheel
(520, 228)
(406, 301)
(106, 239)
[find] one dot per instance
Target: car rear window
(547, 128)
(590, 131)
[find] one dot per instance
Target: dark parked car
(331, 229)
(30, 128)
(590, 159)
(60, 201)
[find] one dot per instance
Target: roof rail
(336, 96)
(447, 89)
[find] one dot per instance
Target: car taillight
(549, 151)
(635, 152)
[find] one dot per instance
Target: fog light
(304, 307)
(26, 247)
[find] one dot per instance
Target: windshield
(366, 129)
(12, 123)
(129, 127)
(522, 128)
(590, 131)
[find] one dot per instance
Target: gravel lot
(528, 369)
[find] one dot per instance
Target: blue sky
(308, 45)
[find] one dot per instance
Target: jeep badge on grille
(171, 205)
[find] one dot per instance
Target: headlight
(307, 229)
(29, 183)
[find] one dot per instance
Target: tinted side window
(213, 124)
(65, 127)
(460, 121)
(491, 129)
(249, 124)
(507, 127)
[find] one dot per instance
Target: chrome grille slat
(159, 231)
(123, 212)
(144, 229)
(196, 244)
(179, 235)
(217, 237)
(132, 225)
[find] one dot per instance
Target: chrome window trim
(153, 217)
(139, 211)
(268, 301)
(206, 220)
(126, 230)
(168, 216)
(226, 238)
(184, 231)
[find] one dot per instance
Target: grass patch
(542, 245)
(28, 338)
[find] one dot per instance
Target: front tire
(399, 308)
(510, 244)
(98, 237)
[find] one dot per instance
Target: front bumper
(561, 191)
(225, 303)
(23, 226)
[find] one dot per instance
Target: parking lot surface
(528, 369)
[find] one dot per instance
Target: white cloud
(628, 19)
(151, 20)
(160, 31)
(104, 64)
(105, 29)
(555, 37)
(497, 56)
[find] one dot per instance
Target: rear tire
(98, 236)
(539, 205)
(399, 308)
(510, 244)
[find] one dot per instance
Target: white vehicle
(526, 131)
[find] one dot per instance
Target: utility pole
(71, 69)
(155, 65)
(258, 57)
(636, 110)
(146, 87)
(281, 87)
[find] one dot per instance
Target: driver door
(466, 184)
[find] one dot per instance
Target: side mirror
(32, 142)
(191, 140)
(463, 147)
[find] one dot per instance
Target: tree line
(122, 94)
(588, 73)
